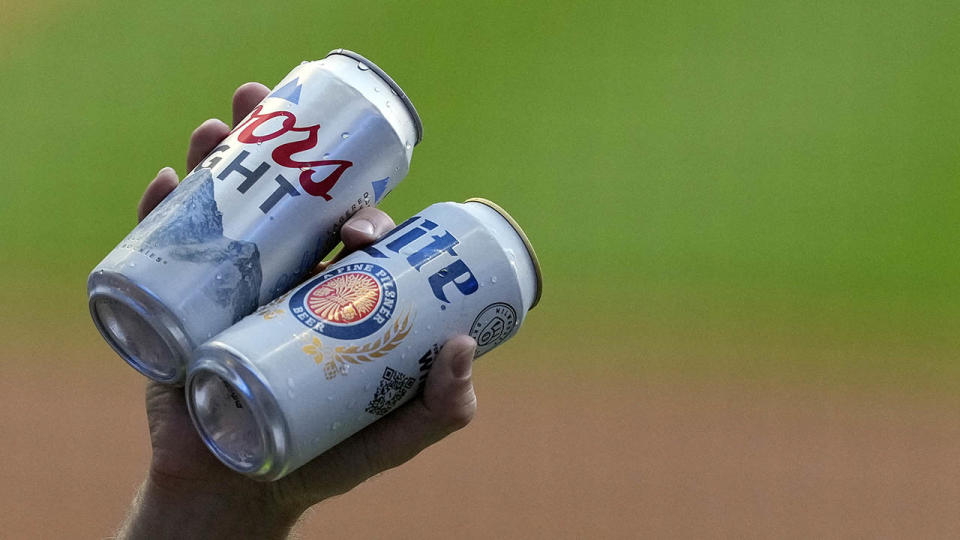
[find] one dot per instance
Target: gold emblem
(345, 298)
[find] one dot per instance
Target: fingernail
(165, 169)
(363, 226)
(463, 363)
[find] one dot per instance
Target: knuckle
(245, 87)
(197, 134)
(200, 132)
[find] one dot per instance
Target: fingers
(362, 229)
(447, 404)
(204, 139)
(157, 190)
(246, 98)
(448, 396)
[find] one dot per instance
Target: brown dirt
(550, 455)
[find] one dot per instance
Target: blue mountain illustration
(187, 226)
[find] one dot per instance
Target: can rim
(219, 359)
(152, 313)
(417, 123)
(523, 237)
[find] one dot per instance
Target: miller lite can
(346, 347)
(250, 221)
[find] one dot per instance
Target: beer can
(347, 346)
(334, 136)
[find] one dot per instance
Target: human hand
(189, 493)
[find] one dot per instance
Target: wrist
(171, 508)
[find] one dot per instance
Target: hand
(189, 493)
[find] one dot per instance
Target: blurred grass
(731, 189)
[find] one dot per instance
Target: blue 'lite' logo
(409, 238)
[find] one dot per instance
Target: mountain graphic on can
(334, 136)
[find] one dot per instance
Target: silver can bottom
(235, 413)
(139, 327)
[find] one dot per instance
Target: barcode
(393, 386)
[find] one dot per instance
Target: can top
(418, 125)
(523, 237)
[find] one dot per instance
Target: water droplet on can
(131, 265)
(290, 382)
(345, 135)
(219, 276)
(335, 426)
(362, 67)
(409, 146)
(493, 279)
(326, 155)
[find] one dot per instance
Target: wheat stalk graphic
(368, 352)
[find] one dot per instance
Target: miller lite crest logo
(350, 302)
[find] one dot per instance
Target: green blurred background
(732, 190)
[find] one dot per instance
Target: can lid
(418, 125)
(523, 237)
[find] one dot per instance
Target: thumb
(448, 397)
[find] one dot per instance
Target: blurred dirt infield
(550, 455)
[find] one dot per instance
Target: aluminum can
(334, 136)
(346, 347)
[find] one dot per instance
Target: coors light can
(335, 135)
(351, 344)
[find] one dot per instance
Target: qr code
(393, 386)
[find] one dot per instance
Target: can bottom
(235, 413)
(139, 328)
(226, 422)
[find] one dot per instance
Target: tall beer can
(348, 346)
(335, 135)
